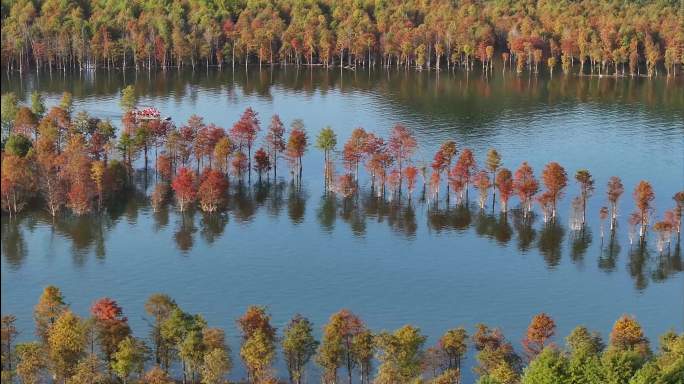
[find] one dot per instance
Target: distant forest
(614, 37)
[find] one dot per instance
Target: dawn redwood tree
(77, 170)
(678, 210)
(496, 357)
(212, 190)
(297, 144)
(164, 167)
(615, 190)
(299, 345)
(586, 183)
(354, 150)
(111, 326)
(555, 179)
(258, 342)
(239, 165)
(17, 183)
(129, 358)
(160, 306)
(222, 151)
(375, 155)
(643, 197)
(493, 163)
(184, 187)
(50, 307)
(244, 133)
(275, 142)
(66, 344)
(443, 158)
(8, 335)
(401, 145)
(454, 343)
(326, 141)
(336, 348)
(482, 184)
(262, 163)
(505, 185)
(541, 329)
(628, 335)
(410, 174)
(464, 169)
(400, 355)
(346, 185)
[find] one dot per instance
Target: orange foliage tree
(643, 197)
(541, 329)
(555, 179)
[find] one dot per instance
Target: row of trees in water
(602, 36)
(66, 161)
(181, 346)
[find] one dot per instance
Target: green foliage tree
(400, 355)
(299, 345)
(129, 359)
(549, 367)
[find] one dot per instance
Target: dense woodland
(585, 37)
(59, 159)
(182, 347)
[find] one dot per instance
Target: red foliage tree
(262, 162)
(256, 319)
(77, 170)
(643, 197)
(346, 186)
(555, 179)
(110, 324)
(296, 147)
(244, 132)
(482, 184)
(504, 183)
(401, 145)
(184, 187)
(614, 191)
(526, 186)
(354, 150)
(212, 190)
(462, 172)
(275, 141)
(239, 164)
(410, 174)
(25, 123)
(164, 166)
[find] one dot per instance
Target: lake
(437, 266)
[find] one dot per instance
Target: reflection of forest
(450, 97)
(88, 234)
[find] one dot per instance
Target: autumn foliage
(184, 188)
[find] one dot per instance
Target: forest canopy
(603, 36)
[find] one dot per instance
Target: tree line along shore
(595, 37)
(182, 347)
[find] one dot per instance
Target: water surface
(298, 249)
